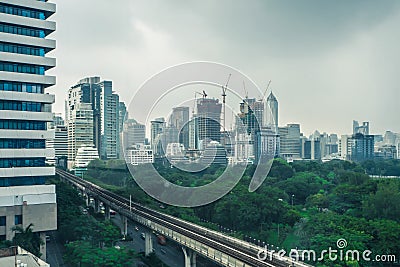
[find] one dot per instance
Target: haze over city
(329, 64)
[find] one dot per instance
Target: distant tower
(272, 113)
(209, 118)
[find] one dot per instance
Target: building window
(21, 68)
(25, 180)
(22, 143)
(22, 162)
(21, 49)
(23, 12)
(22, 125)
(2, 237)
(18, 219)
(20, 105)
(22, 30)
(21, 87)
(2, 220)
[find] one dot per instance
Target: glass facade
(20, 105)
(22, 125)
(21, 68)
(21, 49)
(24, 12)
(27, 31)
(22, 162)
(22, 143)
(20, 114)
(18, 181)
(21, 87)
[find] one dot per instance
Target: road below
(171, 254)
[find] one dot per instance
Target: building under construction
(208, 119)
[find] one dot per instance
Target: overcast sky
(329, 61)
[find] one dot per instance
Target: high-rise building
(193, 134)
(24, 114)
(214, 153)
(312, 149)
(247, 125)
(157, 127)
(267, 143)
(123, 116)
(80, 130)
(139, 154)
(133, 133)
(209, 117)
(57, 120)
(272, 112)
(290, 141)
(105, 105)
(59, 143)
(357, 147)
(179, 119)
(398, 150)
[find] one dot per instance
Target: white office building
(80, 130)
(24, 114)
(59, 143)
(139, 154)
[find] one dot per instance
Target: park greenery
(304, 204)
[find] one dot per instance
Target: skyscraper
(272, 112)
(209, 117)
(80, 130)
(290, 141)
(157, 128)
(179, 119)
(59, 144)
(133, 133)
(24, 113)
(105, 105)
(357, 147)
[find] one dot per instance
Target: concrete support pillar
(107, 211)
(148, 244)
(124, 226)
(86, 197)
(96, 205)
(190, 257)
(42, 236)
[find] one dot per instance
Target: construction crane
(224, 87)
(203, 94)
(265, 93)
(246, 93)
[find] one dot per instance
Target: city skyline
(335, 57)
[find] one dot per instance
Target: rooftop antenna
(224, 87)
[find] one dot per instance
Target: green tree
(27, 239)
